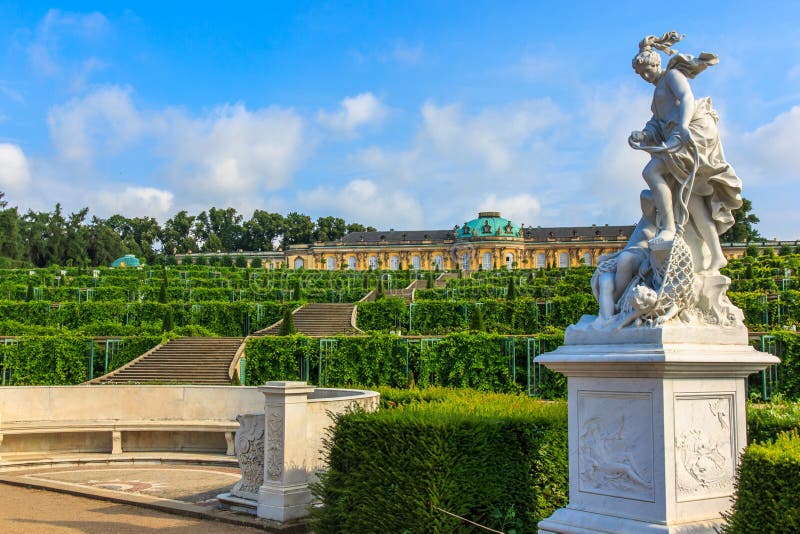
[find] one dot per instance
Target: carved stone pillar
(656, 425)
(285, 495)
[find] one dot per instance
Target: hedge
(765, 422)
(767, 489)
(64, 359)
(221, 318)
(498, 460)
(520, 316)
(475, 360)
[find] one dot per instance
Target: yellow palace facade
(484, 243)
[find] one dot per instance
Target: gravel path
(31, 510)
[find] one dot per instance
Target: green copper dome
(489, 224)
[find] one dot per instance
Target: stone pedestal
(284, 494)
(656, 426)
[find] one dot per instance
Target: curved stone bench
(116, 428)
(118, 418)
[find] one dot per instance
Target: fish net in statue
(674, 283)
(672, 280)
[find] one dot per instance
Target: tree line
(57, 238)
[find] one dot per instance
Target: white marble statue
(669, 270)
(683, 140)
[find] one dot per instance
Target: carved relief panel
(274, 445)
(615, 444)
(705, 446)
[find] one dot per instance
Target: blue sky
(395, 114)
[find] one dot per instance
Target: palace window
(299, 263)
(394, 263)
(541, 261)
(587, 258)
(373, 262)
(416, 263)
(437, 262)
(563, 260)
(509, 261)
(465, 261)
(351, 263)
(486, 261)
(330, 263)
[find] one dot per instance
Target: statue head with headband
(648, 58)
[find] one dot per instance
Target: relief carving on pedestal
(274, 447)
(250, 454)
(615, 444)
(704, 447)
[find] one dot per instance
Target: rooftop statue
(669, 271)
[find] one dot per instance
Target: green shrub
(477, 360)
(480, 456)
(385, 314)
(766, 421)
(276, 358)
(287, 325)
(767, 489)
(64, 359)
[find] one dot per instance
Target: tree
(262, 230)
(298, 228)
(743, 229)
(227, 225)
(287, 325)
(379, 289)
(10, 238)
(357, 227)
(212, 244)
(104, 244)
(168, 323)
(476, 320)
(329, 229)
(511, 292)
(176, 235)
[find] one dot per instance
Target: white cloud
(85, 24)
(769, 155)
(360, 110)
(493, 136)
(105, 119)
(541, 67)
(228, 155)
(406, 53)
(135, 202)
(14, 171)
(366, 202)
(233, 150)
(59, 30)
(521, 208)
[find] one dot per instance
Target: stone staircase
(186, 360)
(441, 281)
(319, 320)
(406, 293)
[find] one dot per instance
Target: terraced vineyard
(72, 325)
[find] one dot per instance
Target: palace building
(487, 242)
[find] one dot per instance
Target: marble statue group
(669, 271)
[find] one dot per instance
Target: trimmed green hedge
(499, 460)
(474, 360)
(221, 318)
(64, 359)
(765, 422)
(768, 488)
(519, 316)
